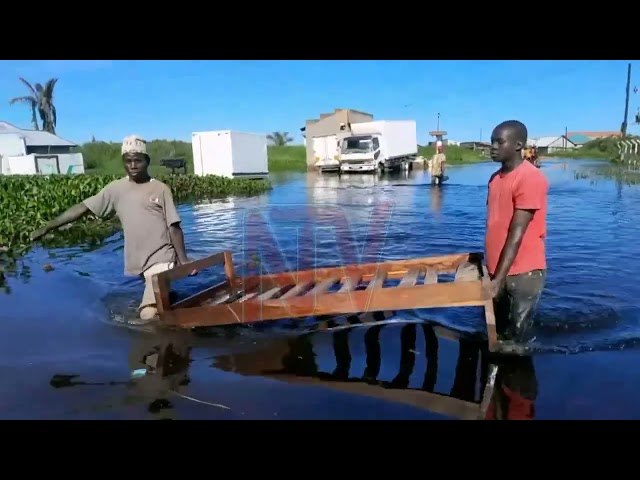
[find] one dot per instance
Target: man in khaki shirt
(436, 166)
(153, 238)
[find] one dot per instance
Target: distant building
(594, 135)
(335, 123)
(36, 152)
(552, 144)
(483, 147)
(579, 139)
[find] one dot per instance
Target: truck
(378, 146)
(230, 154)
(326, 153)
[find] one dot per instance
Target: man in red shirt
(515, 234)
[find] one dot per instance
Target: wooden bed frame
(339, 290)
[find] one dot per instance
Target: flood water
(66, 352)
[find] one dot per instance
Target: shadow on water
(435, 372)
(61, 322)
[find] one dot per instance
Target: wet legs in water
(515, 306)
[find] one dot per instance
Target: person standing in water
(153, 238)
(437, 166)
(515, 234)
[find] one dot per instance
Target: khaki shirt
(436, 165)
(146, 211)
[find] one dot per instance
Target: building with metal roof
(38, 140)
(36, 152)
(552, 144)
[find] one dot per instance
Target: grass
(103, 158)
(455, 155)
(289, 158)
(600, 148)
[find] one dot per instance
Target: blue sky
(111, 99)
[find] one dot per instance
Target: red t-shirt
(523, 188)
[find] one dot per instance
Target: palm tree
(41, 99)
(31, 100)
(280, 138)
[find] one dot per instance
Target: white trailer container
(379, 145)
(230, 154)
(326, 153)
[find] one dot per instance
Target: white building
(29, 152)
(552, 144)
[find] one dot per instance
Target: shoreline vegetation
(103, 158)
(27, 202)
(598, 149)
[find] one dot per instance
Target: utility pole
(626, 103)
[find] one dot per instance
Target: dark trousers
(515, 304)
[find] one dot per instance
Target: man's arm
(175, 230)
(517, 228)
(101, 204)
(177, 239)
(70, 215)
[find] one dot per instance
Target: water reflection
(435, 197)
(420, 365)
(324, 359)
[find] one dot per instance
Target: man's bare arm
(177, 239)
(70, 215)
(517, 228)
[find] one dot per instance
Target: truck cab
(359, 153)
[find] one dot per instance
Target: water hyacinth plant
(27, 202)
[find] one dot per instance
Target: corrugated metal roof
(544, 141)
(579, 139)
(36, 138)
(611, 133)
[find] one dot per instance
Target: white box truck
(326, 153)
(230, 154)
(379, 145)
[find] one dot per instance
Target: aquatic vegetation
(27, 202)
(621, 174)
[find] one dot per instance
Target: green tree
(40, 100)
(280, 138)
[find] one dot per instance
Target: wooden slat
(246, 297)
(410, 278)
(322, 287)
(268, 294)
(377, 281)
(431, 276)
(296, 290)
(202, 296)
(350, 284)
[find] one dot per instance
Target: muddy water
(66, 352)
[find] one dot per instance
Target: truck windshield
(356, 145)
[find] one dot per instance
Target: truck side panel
(399, 138)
